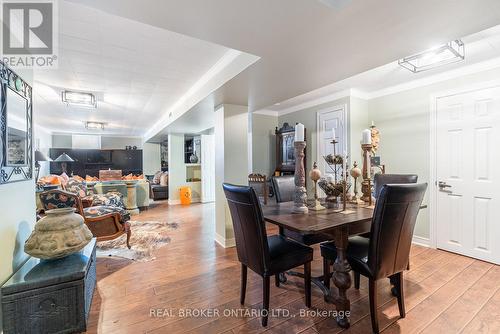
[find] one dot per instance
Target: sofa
(158, 185)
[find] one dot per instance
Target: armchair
(105, 222)
(114, 199)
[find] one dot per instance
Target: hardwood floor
(444, 292)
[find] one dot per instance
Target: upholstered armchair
(114, 199)
(105, 222)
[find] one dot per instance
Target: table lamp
(64, 159)
(39, 156)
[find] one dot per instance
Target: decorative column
(131, 203)
(300, 179)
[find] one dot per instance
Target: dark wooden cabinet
(90, 162)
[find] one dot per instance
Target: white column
(231, 163)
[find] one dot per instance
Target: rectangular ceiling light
(94, 126)
(451, 52)
(79, 99)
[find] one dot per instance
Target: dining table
(337, 225)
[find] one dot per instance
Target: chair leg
(326, 273)
(265, 302)
(243, 283)
(356, 280)
(400, 294)
(372, 290)
(277, 280)
(307, 283)
(129, 233)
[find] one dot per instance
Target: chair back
(392, 227)
(56, 199)
(284, 188)
(249, 227)
(259, 183)
(381, 179)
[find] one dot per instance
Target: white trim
(421, 241)
(225, 243)
(174, 201)
(433, 152)
(315, 102)
(267, 112)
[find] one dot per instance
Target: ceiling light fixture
(451, 52)
(94, 125)
(80, 99)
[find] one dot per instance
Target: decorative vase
(60, 233)
(193, 158)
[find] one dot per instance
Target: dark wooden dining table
(337, 226)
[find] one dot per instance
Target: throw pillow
(156, 177)
(164, 179)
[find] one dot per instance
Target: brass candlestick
(366, 187)
(300, 199)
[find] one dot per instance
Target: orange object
(185, 194)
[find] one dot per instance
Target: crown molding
(267, 112)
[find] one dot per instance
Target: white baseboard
(421, 241)
(225, 243)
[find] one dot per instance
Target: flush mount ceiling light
(451, 52)
(79, 99)
(94, 125)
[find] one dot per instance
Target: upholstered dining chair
(105, 222)
(386, 252)
(266, 256)
(284, 189)
(380, 180)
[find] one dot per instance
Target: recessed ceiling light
(94, 125)
(451, 52)
(80, 99)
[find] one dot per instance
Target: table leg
(342, 278)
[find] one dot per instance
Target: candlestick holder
(315, 175)
(355, 174)
(366, 186)
(300, 198)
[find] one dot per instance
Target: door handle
(442, 185)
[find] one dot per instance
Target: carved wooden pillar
(300, 198)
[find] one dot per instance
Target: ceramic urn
(60, 233)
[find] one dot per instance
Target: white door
(328, 119)
(207, 168)
(467, 157)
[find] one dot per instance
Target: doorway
(466, 158)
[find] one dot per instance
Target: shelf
(193, 165)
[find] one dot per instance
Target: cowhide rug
(146, 237)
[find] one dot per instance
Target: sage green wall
(263, 144)
(308, 117)
(404, 122)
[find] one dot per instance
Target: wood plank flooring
(444, 292)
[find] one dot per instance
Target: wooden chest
(110, 175)
(50, 296)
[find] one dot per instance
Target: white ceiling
(305, 45)
(482, 52)
(136, 71)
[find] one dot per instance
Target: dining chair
(381, 179)
(284, 190)
(386, 252)
(265, 255)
